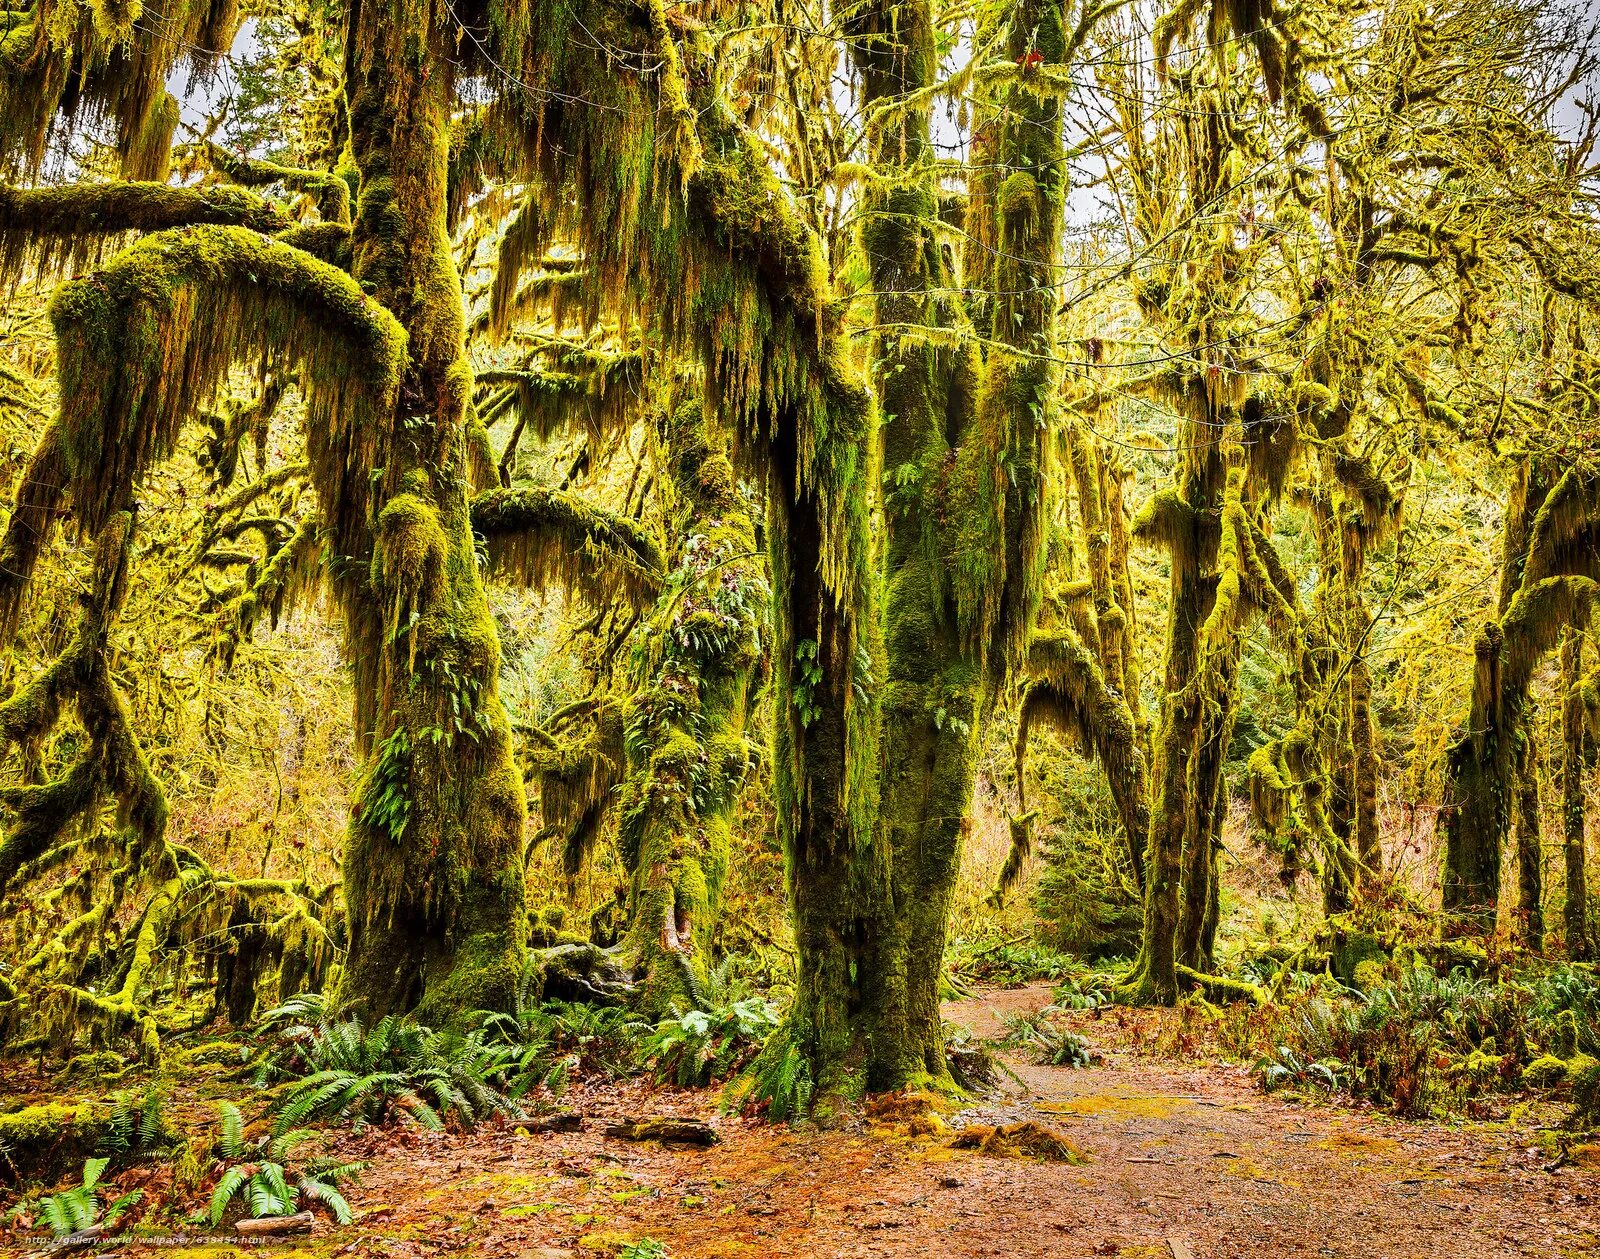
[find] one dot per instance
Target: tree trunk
(433, 871)
(1530, 851)
(1574, 765)
(687, 748)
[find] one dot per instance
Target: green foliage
(394, 1070)
(384, 793)
(644, 1248)
(972, 1066)
(807, 678)
(1086, 899)
(699, 1047)
(1009, 965)
(266, 1175)
(1042, 1035)
(136, 1123)
(779, 1083)
(1426, 1042)
(78, 1208)
(1285, 1068)
(1567, 998)
(547, 1045)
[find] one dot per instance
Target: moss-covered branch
(542, 535)
(62, 227)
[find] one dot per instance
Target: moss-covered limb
(142, 341)
(433, 871)
(577, 779)
(1576, 755)
(62, 227)
(601, 398)
(328, 242)
(221, 514)
(725, 270)
(1113, 474)
(1068, 691)
(289, 576)
(330, 192)
(1088, 477)
(171, 893)
(42, 813)
(1221, 988)
(542, 535)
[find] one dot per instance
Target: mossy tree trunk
(1576, 756)
(933, 689)
(433, 870)
(962, 444)
(1530, 850)
(686, 726)
(1481, 765)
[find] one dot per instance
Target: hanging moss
(203, 299)
(601, 395)
(540, 536)
(1069, 692)
(65, 62)
(65, 227)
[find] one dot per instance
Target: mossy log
(47, 1139)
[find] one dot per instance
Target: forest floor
(1182, 1161)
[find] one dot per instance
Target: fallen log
(673, 1131)
(1221, 989)
(561, 1121)
(273, 1225)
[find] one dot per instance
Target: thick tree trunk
(433, 871)
(824, 776)
(1574, 765)
(688, 752)
(1481, 764)
(1530, 850)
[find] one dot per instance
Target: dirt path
(1184, 1164)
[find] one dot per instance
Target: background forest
(556, 541)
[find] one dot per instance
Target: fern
(698, 1047)
(73, 1210)
(262, 1173)
(779, 1082)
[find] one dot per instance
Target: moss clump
(1026, 1139)
(45, 1139)
(1350, 949)
(1586, 1096)
(1545, 1072)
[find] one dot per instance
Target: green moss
(542, 535)
(48, 1138)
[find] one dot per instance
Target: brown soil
(1184, 1162)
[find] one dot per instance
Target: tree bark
(433, 870)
